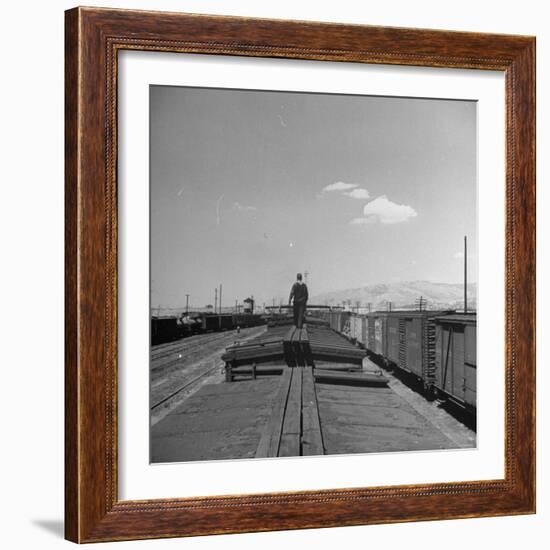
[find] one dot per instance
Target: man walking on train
(299, 294)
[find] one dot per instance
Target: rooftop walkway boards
(220, 421)
(373, 419)
(291, 415)
(332, 408)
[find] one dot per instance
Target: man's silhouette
(298, 292)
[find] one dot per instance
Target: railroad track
(172, 356)
(193, 364)
(184, 345)
(185, 386)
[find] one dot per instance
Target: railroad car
(245, 320)
(210, 322)
(358, 329)
(165, 329)
(377, 333)
(407, 340)
(455, 359)
(393, 337)
(228, 321)
(353, 326)
(334, 320)
(340, 321)
(169, 328)
(417, 344)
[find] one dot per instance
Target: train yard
(178, 368)
(169, 328)
(275, 390)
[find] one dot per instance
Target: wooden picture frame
(93, 39)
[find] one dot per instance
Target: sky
(250, 187)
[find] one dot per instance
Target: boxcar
(455, 359)
(361, 330)
(240, 320)
(226, 321)
(376, 336)
(355, 323)
(417, 344)
(394, 337)
(165, 329)
(250, 320)
(243, 320)
(339, 320)
(345, 321)
(371, 332)
(210, 322)
(351, 327)
(334, 320)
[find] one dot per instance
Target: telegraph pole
(216, 300)
(465, 274)
(220, 297)
(187, 304)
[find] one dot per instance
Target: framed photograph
(300, 275)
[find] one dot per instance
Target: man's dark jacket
(299, 292)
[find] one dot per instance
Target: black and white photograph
(274, 274)
(313, 274)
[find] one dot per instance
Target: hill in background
(402, 295)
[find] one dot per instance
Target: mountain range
(402, 295)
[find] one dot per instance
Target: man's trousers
(299, 313)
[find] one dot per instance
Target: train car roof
(458, 318)
(414, 312)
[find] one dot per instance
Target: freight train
(437, 348)
(169, 328)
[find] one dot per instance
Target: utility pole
(220, 297)
(306, 273)
(187, 304)
(421, 303)
(465, 274)
(216, 300)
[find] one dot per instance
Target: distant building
(248, 305)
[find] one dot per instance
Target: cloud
(358, 193)
(383, 210)
(458, 255)
(339, 186)
(243, 207)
